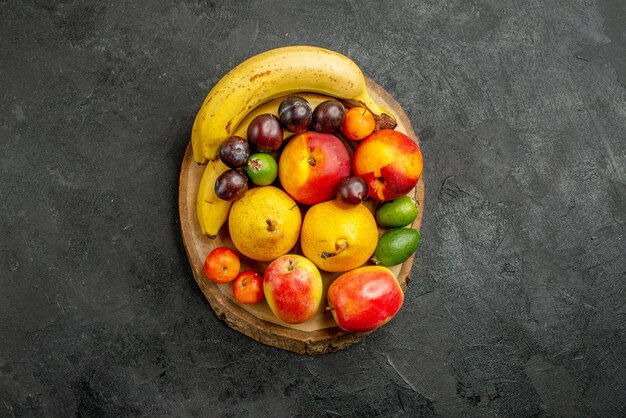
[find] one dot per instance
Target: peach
(293, 288)
(390, 163)
(365, 298)
(312, 165)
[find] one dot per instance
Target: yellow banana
(211, 210)
(196, 144)
(269, 75)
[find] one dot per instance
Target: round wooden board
(320, 334)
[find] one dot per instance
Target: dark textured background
(516, 305)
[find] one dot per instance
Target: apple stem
(311, 161)
(340, 246)
(271, 225)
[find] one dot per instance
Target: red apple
(365, 298)
(222, 265)
(248, 288)
(389, 162)
(293, 288)
(312, 165)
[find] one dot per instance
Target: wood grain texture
(320, 334)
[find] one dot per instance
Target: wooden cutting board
(320, 334)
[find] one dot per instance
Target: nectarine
(390, 163)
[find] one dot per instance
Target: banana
(211, 210)
(268, 75)
(196, 144)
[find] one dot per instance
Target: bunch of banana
(268, 75)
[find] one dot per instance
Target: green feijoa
(262, 169)
(396, 246)
(397, 213)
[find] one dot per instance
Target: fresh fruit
(352, 190)
(397, 213)
(295, 114)
(293, 288)
(248, 288)
(364, 299)
(234, 151)
(212, 211)
(265, 133)
(231, 185)
(273, 107)
(396, 246)
(328, 116)
(389, 162)
(268, 75)
(222, 265)
(337, 236)
(262, 169)
(264, 223)
(312, 165)
(358, 124)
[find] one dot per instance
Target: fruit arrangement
(312, 180)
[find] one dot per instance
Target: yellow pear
(337, 236)
(265, 223)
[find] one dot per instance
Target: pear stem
(271, 225)
(340, 246)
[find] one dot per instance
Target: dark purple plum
(234, 151)
(295, 114)
(231, 185)
(265, 133)
(352, 190)
(328, 116)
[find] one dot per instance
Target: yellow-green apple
(390, 163)
(365, 298)
(312, 165)
(293, 288)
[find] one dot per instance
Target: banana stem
(384, 121)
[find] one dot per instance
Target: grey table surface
(516, 303)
